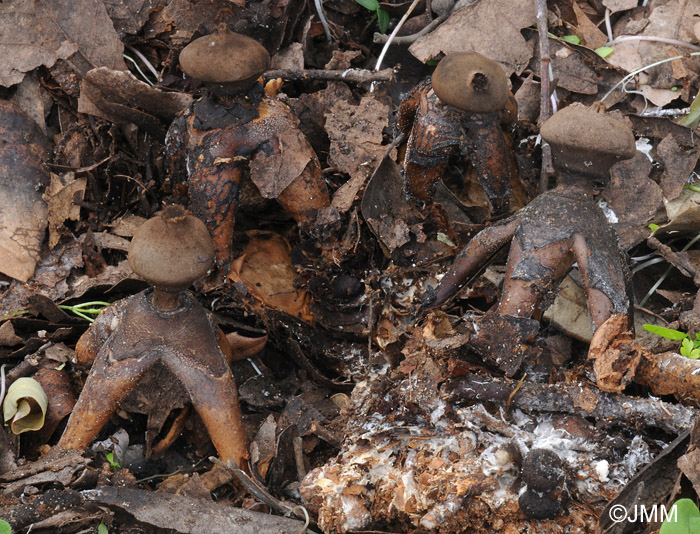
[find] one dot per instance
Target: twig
(393, 33)
(348, 75)
(545, 103)
(257, 489)
(574, 399)
(380, 38)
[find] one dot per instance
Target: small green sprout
(653, 227)
(573, 39)
(380, 14)
(604, 51)
(5, 527)
(102, 529)
(112, 462)
(685, 519)
(86, 308)
(689, 348)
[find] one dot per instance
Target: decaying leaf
(672, 20)
(118, 96)
(39, 32)
(25, 405)
(679, 162)
(615, 355)
(60, 197)
(266, 270)
(493, 29)
(23, 213)
(356, 143)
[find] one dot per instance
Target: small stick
(348, 75)
(576, 399)
(545, 92)
(380, 38)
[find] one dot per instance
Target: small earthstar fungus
(234, 130)
(163, 325)
(459, 112)
(562, 226)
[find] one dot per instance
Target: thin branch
(348, 75)
(380, 38)
(545, 102)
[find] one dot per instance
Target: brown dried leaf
(266, 270)
(619, 5)
(614, 353)
(592, 36)
(23, 213)
(679, 162)
(39, 32)
(493, 29)
(673, 19)
(129, 16)
(60, 196)
(273, 171)
(119, 97)
(356, 133)
(630, 182)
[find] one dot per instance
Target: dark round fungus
(471, 82)
(542, 470)
(538, 506)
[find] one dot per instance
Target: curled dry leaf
(266, 270)
(25, 405)
(615, 354)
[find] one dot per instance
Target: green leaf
(668, 333)
(653, 227)
(102, 529)
(5, 527)
(382, 20)
(112, 462)
(686, 347)
(692, 119)
(372, 5)
(685, 519)
(573, 39)
(603, 51)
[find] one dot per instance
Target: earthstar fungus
(459, 111)
(562, 226)
(164, 325)
(236, 130)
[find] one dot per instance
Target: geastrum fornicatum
(458, 111)
(560, 227)
(163, 325)
(236, 129)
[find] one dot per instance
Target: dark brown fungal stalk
(560, 227)
(235, 129)
(459, 111)
(167, 326)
